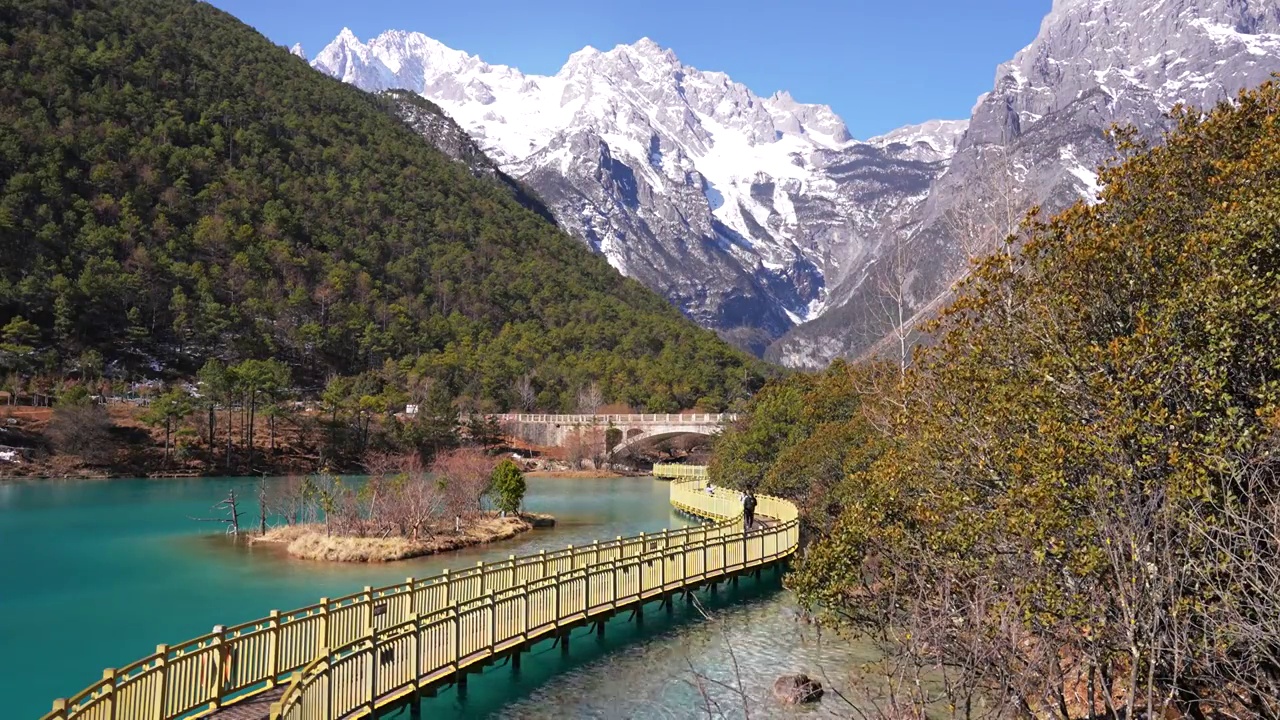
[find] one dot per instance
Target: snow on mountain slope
(931, 141)
(742, 210)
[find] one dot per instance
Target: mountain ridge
(1040, 135)
(722, 200)
(761, 218)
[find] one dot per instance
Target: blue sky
(880, 64)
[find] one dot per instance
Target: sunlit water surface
(95, 574)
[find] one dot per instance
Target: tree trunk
(167, 425)
(253, 409)
(229, 411)
(262, 506)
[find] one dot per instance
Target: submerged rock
(539, 520)
(797, 689)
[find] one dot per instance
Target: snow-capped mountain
(740, 209)
(762, 218)
(1039, 135)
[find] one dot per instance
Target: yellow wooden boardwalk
(347, 658)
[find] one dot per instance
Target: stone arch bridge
(631, 430)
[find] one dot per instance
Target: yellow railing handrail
(311, 646)
(673, 471)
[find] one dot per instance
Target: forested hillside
(1068, 507)
(173, 188)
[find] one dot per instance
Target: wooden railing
(620, 420)
(347, 657)
(680, 472)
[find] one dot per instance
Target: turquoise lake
(94, 574)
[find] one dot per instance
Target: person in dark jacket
(749, 509)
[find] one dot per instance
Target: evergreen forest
(175, 189)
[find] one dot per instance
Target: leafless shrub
(83, 431)
(464, 475)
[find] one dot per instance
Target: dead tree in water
(262, 506)
(233, 512)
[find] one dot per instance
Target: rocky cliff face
(1039, 135)
(742, 210)
(446, 135)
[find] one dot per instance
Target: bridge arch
(631, 430)
(641, 439)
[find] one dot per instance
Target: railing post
(524, 629)
(162, 691)
(482, 582)
(373, 663)
(322, 641)
(219, 665)
(59, 709)
(273, 658)
(446, 582)
(368, 606)
(640, 568)
(662, 569)
(417, 652)
(493, 621)
(409, 583)
(457, 638)
(555, 600)
(328, 686)
(109, 679)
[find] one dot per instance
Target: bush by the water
(508, 486)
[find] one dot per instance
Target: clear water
(95, 574)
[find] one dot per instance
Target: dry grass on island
(403, 509)
(309, 542)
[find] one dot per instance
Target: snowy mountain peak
(742, 210)
(931, 141)
(646, 47)
(1038, 137)
(648, 159)
(298, 51)
(1169, 51)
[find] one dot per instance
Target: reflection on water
(671, 666)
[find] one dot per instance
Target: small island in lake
(403, 510)
(310, 542)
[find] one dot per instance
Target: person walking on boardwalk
(749, 509)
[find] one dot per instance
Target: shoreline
(312, 542)
(106, 476)
(586, 474)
